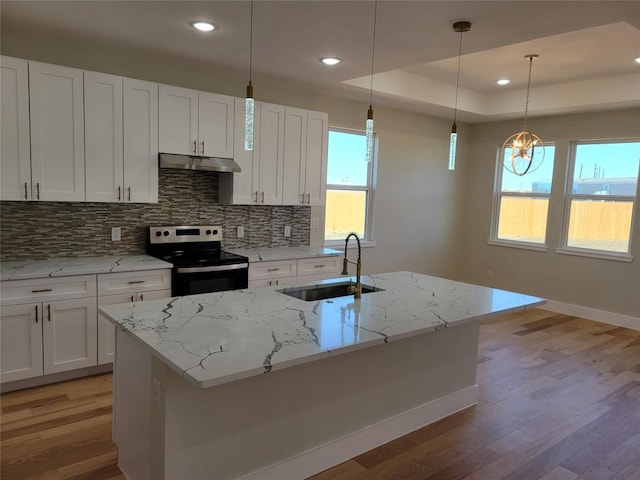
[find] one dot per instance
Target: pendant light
(249, 102)
(523, 152)
(369, 124)
(460, 27)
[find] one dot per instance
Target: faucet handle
(345, 266)
(351, 289)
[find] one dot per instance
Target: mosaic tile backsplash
(37, 230)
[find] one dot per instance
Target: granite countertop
(62, 267)
(283, 253)
(215, 338)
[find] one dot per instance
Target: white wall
(600, 284)
(418, 202)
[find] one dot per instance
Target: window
(349, 187)
(601, 195)
(521, 204)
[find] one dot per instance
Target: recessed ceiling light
(638, 60)
(330, 60)
(204, 26)
(503, 81)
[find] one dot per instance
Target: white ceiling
(586, 48)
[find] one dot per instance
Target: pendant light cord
(455, 108)
(251, 43)
(373, 49)
(526, 106)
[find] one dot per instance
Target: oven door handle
(216, 268)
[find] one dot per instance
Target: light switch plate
(240, 232)
(116, 234)
(287, 231)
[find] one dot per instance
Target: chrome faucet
(357, 288)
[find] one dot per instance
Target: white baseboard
(603, 316)
(337, 451)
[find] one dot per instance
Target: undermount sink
(323, 292)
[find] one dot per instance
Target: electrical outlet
(315, 222)
(287, 231)
(116, 234)
(240, 232)
(157, 393)
(490, 273)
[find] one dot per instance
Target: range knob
(158, 234)
(208, 232)
(215, 232)
(166, 233)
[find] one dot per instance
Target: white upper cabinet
(271, 154)
(140, 142)
(195, 123)
(315, 171)
(15, 168)
(57, 132)
(103, 137)
(305, 158)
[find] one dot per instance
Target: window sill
(522, 245)
(618, 257)
(339, 244)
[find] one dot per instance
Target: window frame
(498, 194)
(569, 196)
(368, 239)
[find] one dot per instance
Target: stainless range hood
(188, 162)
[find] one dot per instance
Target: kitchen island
(256, 384)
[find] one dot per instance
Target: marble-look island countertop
(63, 266)
(283, 253)
(215, 338)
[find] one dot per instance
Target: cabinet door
(103, 137)
(107, 330)
(215, 125)
(21, 342)
(57, 132)
(15, 168)
(242, 188)
(140, 141)
(315, 174)
(70, 334)
(271, 154)
(178, 117)
(295, 154)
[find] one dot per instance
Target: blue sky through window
(347, 164)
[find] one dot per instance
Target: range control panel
(173, 234)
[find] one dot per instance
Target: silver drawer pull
(320, 266)
(42, 290)
(133, 282)
(273, 269)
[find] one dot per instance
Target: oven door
(215, 278)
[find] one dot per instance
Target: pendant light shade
(369, 123)
(249, 102)
(523, 152)
(459, 27)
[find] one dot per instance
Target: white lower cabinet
(282, 273)
(107, 330)
(47, 337)
(126, 287)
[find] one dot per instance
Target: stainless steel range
(199, 264)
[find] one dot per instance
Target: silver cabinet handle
(49, 311)
(119, 191)
(133, 282)
(273, 269)
(319, 266)
(38, 190)
(36, 313)
(308, 199)
(131, 298)
(302, 196)
(194, 147)
(262, 197)
(202, 147)
(142, 297)
(129, 193)
(42, 290)
(25, 191)
(256, 194)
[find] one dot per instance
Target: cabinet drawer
(15, 292)
(269, 270)
(322, 265)
(131, 282)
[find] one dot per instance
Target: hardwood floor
(559, 399)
